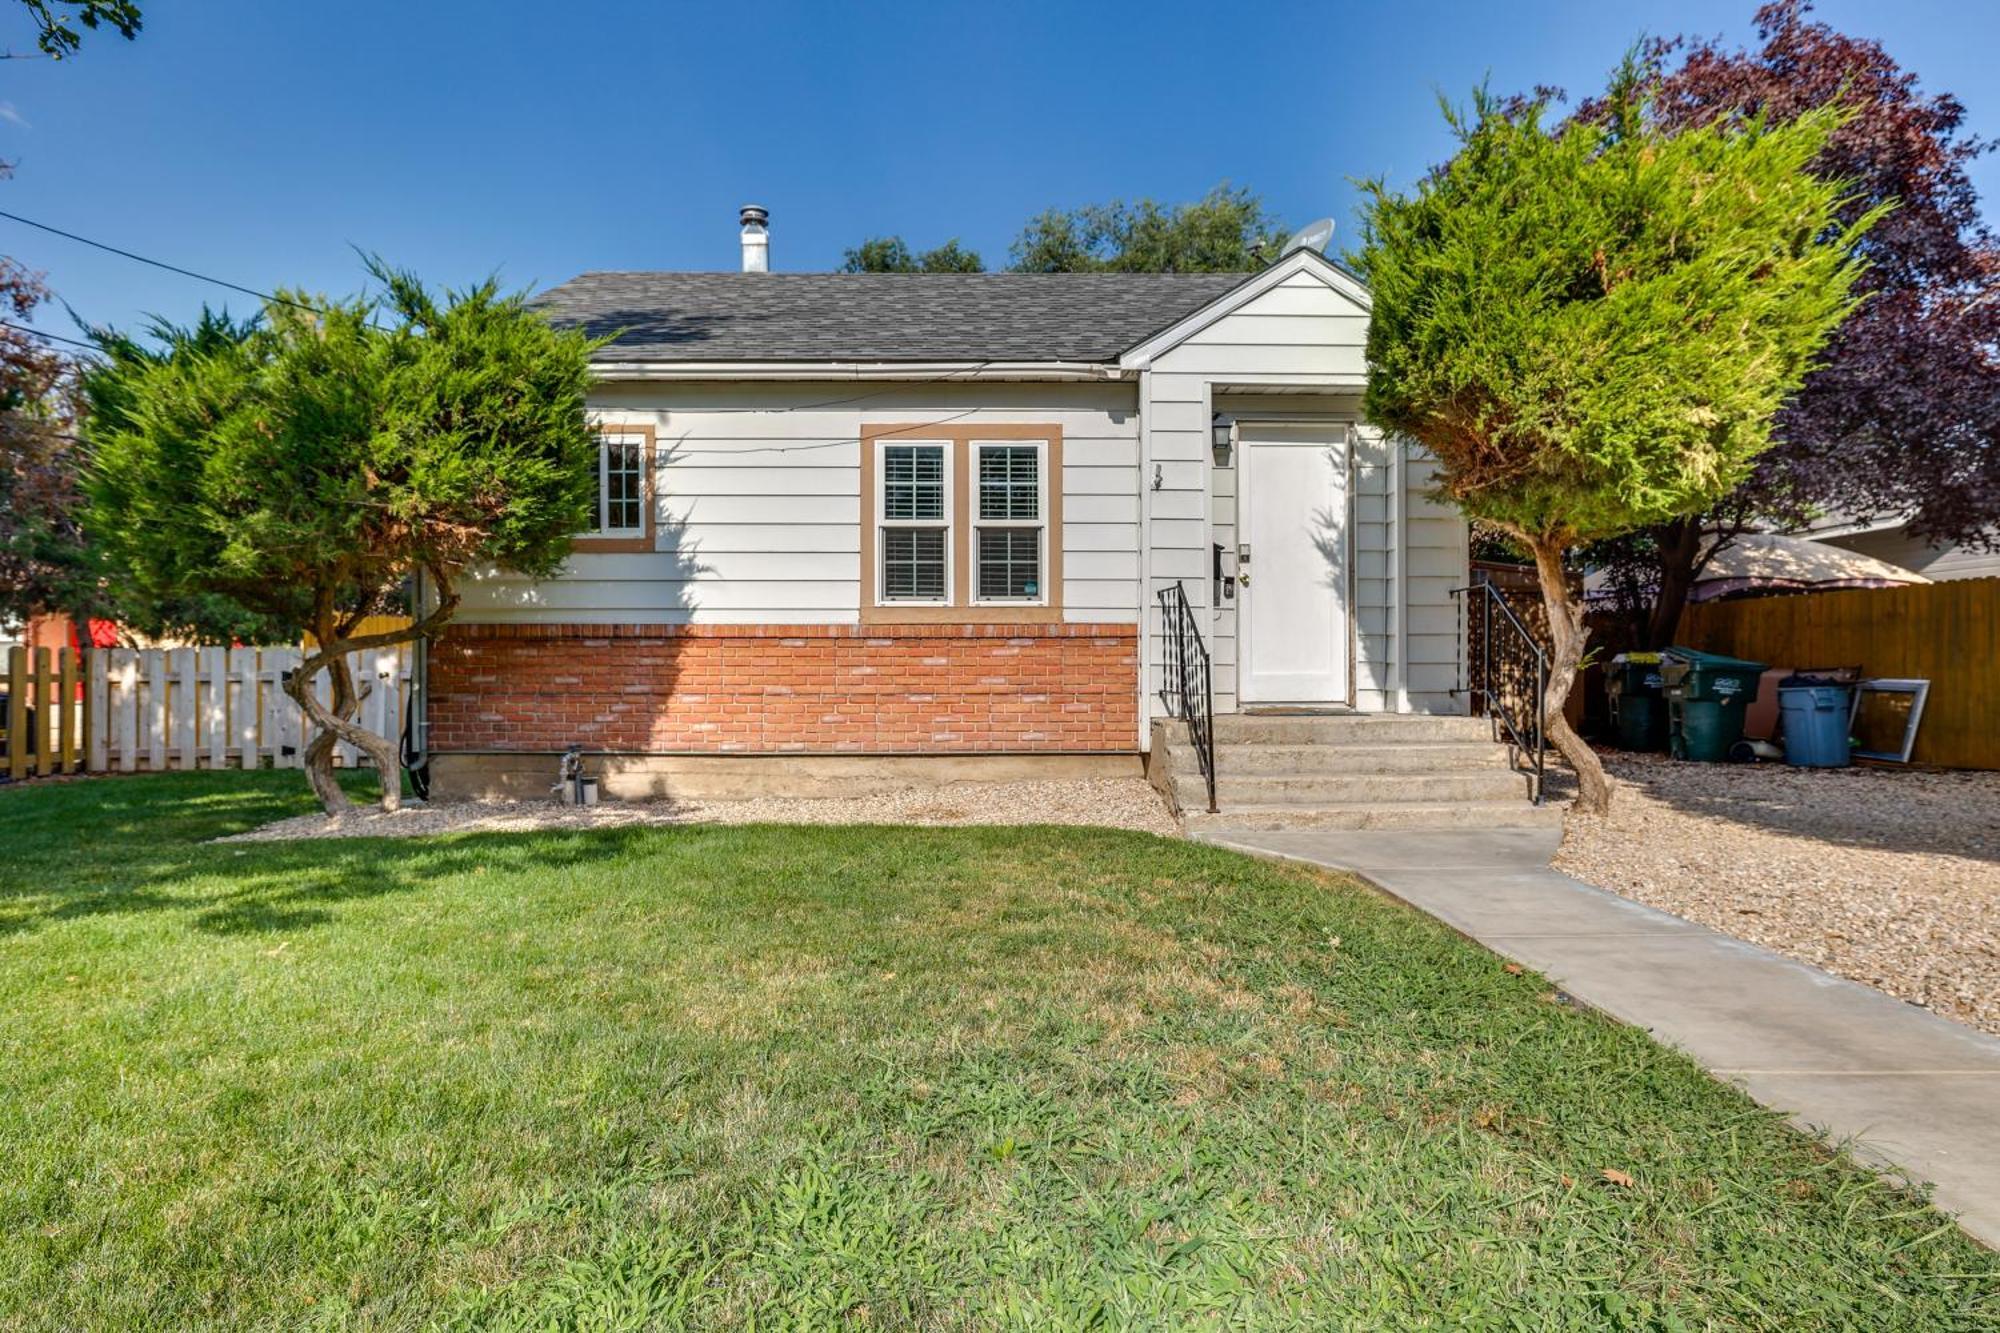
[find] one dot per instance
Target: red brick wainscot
(749, 689)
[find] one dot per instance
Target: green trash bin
(1638, 701)
(1707, 694)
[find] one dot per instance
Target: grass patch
(853, 1077)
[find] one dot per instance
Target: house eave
(891, 371)
(1855, 527)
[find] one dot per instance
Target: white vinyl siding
(757, 497)
(1937, 563)
(1407, 552)
(1438, 558)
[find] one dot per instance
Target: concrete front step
(1350, 771)
(1377, 815)
(1404, 757)
(1347, 729)
(1236, 790)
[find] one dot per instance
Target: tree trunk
(337, 723)
(1567, 635)
(1680, 558)
(318, 756)
(318, 761)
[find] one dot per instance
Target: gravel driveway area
(1889, 877)
(1127, 803)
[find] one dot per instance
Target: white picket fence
(156, 709)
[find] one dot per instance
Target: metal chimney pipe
(756, 239)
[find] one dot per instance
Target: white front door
(1292, 515)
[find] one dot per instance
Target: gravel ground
(1886, 876)
(1128, 803)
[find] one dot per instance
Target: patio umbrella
(1769, 562)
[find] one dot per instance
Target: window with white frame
(621, 485)
(1011, 525)
(915, 521)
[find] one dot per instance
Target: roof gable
(1241, 294)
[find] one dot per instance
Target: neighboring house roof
(1847, 525)
(917, 317)
(1888, 537)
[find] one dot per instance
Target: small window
(621, 485)
(915, 523)
(1012, 508)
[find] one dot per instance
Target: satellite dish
(1314, 236)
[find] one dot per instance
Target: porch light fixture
(1224, 430)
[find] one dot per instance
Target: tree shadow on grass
(263, 887)
(298, 888)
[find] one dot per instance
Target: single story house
(867, 528)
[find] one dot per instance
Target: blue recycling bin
(1813, 718)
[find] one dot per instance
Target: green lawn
(858, 1077)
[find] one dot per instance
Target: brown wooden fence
(1946, 633)
(44, 715)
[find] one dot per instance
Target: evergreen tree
(305, 468)
(1592, 326)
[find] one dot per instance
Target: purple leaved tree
(1903, 416)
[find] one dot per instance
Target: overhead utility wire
(266, 296)
(156, 263)
(52, 337)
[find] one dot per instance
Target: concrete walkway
(1917, 1093)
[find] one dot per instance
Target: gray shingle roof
(878, 316)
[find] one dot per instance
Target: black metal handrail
(1509, 674)
(1185, 688)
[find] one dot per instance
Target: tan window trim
(961, 610)
(648, 542)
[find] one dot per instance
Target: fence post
(94, 695)
(156, 709)
(67, 716)
(245, 662)
(125, 700)
(186, 711)
(44, 728)
(17, 713)
(214, 672)
(285, 728)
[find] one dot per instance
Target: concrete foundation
(637, 777)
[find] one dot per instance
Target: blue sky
(261, 140)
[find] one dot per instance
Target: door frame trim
(1350, 424)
